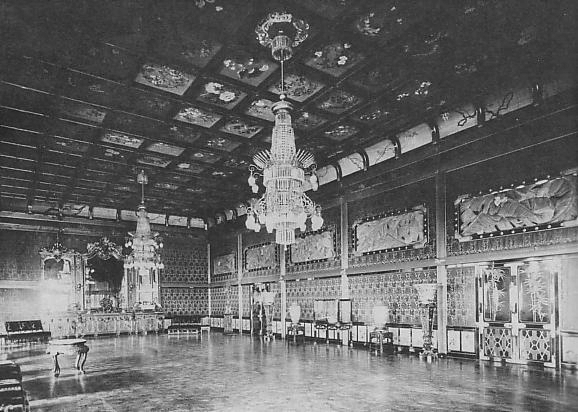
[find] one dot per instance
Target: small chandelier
(144, 245)
(56, 251)
(284, 207)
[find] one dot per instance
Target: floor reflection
(239, 373)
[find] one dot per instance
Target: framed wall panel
(317, 246)
(545, 204)
(262, 256)
(395, 230)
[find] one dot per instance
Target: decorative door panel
(535, 345)
(497, 294)
(516, 311)
(535, 294)
(498, 342)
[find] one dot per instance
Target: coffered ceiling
(93, 91)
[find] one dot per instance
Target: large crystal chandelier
(284, 206)
(144, 245)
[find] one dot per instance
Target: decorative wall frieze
(396, 230)
(225, 264)
(544, 204)
(261, 257)
(313, 247)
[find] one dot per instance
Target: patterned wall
(19, 252)
(401, 199)
(392, 289)
(185, 260)
(19, 258)
(462, 296)
(246, 300)
(305, 292)
(185, 301)
(16, 304)
(223, 244)
(275, 287)
(20, 261)
(218, 301)
(232, 300)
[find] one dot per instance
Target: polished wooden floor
(240, 373)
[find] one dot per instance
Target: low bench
(25, 331)
(12, 395)
(186, 324)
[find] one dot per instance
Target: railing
(95, 324)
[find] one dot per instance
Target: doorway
(517, 311)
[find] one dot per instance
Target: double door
(516, 311)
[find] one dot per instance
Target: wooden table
(68, 347)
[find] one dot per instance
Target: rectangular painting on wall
(396, 230)
(262, 256)
(545, 204)
(313, 247)
(225, 264)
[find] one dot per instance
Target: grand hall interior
(306, 205)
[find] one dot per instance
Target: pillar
(239, 279)
(441, 268)
(344, 259)
(209, 261)
(344, 248)
(283, 285)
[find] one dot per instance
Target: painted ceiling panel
(185, 91)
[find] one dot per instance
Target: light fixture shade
(426, 293)
(295, 313)
(380, 314)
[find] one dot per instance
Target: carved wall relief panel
(263, 256)
(545, 204)
(398, 230)
(224, 264)
(313, 247)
